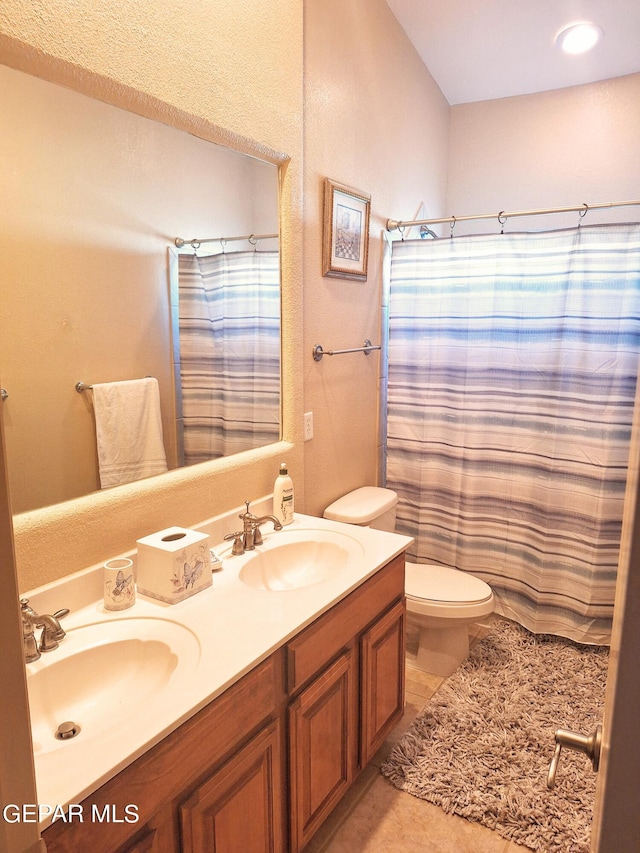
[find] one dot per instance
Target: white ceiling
(478, 50)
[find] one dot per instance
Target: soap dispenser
(283, 496)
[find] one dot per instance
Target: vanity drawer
(309, 652)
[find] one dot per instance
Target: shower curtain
(229, 329)
(512, 363)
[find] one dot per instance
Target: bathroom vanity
(261, 765)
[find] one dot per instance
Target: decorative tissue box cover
(173, 564)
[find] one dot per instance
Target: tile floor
(374, 817)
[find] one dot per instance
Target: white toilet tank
(368, 506)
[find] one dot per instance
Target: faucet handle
(60, 614)
(238, 544)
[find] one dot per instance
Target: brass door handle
(589, 744)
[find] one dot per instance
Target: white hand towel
(128, 431)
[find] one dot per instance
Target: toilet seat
(441, 591)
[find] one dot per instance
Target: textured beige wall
(376, 121)
(553, 149)
(231, 73)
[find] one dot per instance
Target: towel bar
(82, 386)
(367, 347)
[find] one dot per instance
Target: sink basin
(105, 674)
(297, 559)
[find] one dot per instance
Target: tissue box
(173, 564)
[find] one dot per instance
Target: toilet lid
(442, 583)
(362, 505)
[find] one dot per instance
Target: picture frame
(345, 250)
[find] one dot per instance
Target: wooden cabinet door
(148, 843)
(322, 747)
(382, 650)
(240, 808)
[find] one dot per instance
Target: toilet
(441, 601)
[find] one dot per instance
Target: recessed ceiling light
(578, 38)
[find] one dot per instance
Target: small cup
(119, 588)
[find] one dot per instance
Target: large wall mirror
(93, 199)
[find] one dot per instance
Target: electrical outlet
(308, 426)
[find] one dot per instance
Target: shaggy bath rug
(481, 747)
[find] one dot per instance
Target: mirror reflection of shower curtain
(229, 327)
(511, 385)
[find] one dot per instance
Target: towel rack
(82, 386)
(367, 347)
(3, 394)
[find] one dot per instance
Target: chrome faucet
(251, 533)
(52, 631)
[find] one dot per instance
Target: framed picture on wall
(345, 249)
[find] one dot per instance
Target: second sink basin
(297, 559)
(106, 674)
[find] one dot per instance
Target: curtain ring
(401, 230)
(582, 214)
(252, 239)
(195, 244)
(452, 225)
(502, 219)
(223, 243)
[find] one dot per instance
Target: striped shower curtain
(511, 383)
(229, 329)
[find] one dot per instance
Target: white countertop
(235, 626)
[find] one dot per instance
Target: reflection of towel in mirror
(128, 431)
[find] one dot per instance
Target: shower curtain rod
(399, 224)
(252, 238)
